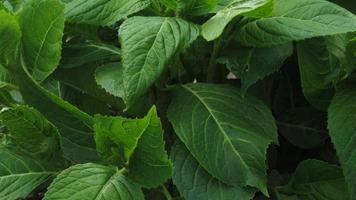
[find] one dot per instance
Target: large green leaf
(253, 64)
(194, 182)
(74, 125)
(142, 140)
(218, 125)
(214, 27)
(20, 175)
(320, 66)
(93, 182)
(297, 20)
(314, 179)
(146, 50)
(42, 25)
(32, 132)
(10, 37)
(342, 126)
(102, 12)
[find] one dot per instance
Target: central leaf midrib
(225, 135)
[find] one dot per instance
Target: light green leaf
(215, 26)
(142, 140)
(102, 12)
(253, 64)
(341, 124)
(93, 182)
(10, 37)
(314, 179)
(321, 68)
(20, 175)
(146, 50)
(110, 77)
(74, 125)
(42, 25)
(297, 20)
(194, 182)
(32, 132)
(218, 125)
(191, 7)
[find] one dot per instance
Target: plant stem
(166, 193)
(212, 67)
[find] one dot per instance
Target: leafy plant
(177, 99)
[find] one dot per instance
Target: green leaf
(142, 140)
(10, 37)
(42, 25)
(20, 175)
(341, 117)
(102, 12)
(110, 77)
(297, 20)
(93, 182)
(190, 7)
(74, 125)
(77, 55)
(314, 179)
(194, 182)
(146, 50)
(218, 125)
(32, 132)
(215, 26)
(253, 64)
(320, 68)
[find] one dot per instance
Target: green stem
(166, 193)
(212, 67)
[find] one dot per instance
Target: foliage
(177, 99)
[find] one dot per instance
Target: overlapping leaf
(146, 50)
(297, 20)
(93, 182)
(218, 125)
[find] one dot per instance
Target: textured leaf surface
(191, 7)
(10, 37)
(110, 77)
(194, 182)
(74, 125)
(19, 175)
(142, 140)
(319, 69)
(341, 117)
(218, 125)
(102, 12)
(42, 25)
(297, 20)
(314, 179)
(146, 50)
(253, 64)
(214, 27)
(31, 131)
(93, 182)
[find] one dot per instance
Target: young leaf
(214, 27)
(142, 140)
(297, 20)
(146, 50)
(314, 179)
(194, 182)
(10, 37)
(110, 77)
(76, 137)
(253, 64)
(20, 175)
(195, 7)
(93, 182)
(42, 25)
(102, 12)
(341, 117)
(32, 132)
(218, 125)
